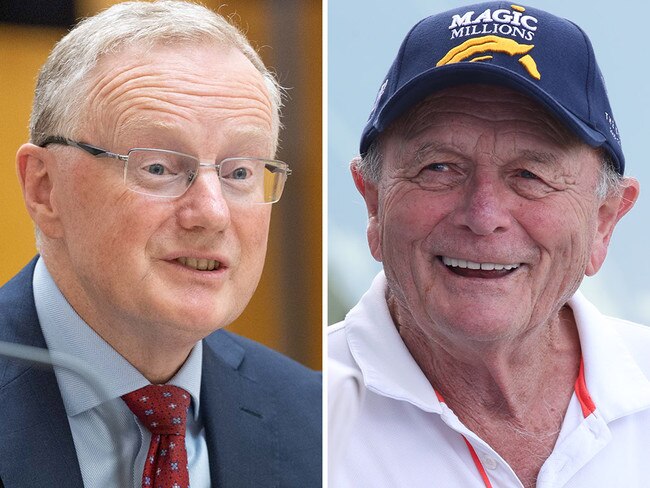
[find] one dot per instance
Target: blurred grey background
(364, 36)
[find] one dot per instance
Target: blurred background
(286, 311)
(364, 36)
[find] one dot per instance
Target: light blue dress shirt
(100, 419)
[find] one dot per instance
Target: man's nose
(203, 204)
(484, 206)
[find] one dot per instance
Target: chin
(202, 317)
(198, 326)
(481, 325)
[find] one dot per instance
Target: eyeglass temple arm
(277, 169)
(93, 150)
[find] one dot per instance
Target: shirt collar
(615, 381)
(386, 364)
(65, 332)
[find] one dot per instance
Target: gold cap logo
(473, 48)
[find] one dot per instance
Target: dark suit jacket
(261, 410)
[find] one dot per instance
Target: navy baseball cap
(546, 57)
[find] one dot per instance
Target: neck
(513, 393)
(504, 374)
(157, 359)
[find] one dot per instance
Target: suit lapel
(238, 416)
(36, 446)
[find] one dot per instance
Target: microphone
(54, 359)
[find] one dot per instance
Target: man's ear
(35, 166)
(610, 212)
(369, 192)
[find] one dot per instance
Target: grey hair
(610, 182)
(63, 82)
(369, 165)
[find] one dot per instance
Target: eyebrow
(420, 154)
(145, 123)
(429, 147)
(542, 157)
(405, 157)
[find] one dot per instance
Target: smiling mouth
(199, 264)
(472, 269)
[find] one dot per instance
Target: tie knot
(161, 408)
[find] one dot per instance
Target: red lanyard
(479, 466)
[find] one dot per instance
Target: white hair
(610, 181)
(63, 82)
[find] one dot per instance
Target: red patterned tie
(163, 410)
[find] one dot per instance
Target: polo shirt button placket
(490, 463)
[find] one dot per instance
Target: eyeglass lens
(167, 173)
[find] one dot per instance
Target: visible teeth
(200, 264)
(461, 263)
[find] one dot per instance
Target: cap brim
(442, 77)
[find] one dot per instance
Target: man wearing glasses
(150, 177)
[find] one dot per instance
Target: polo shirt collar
(386, 364)
(616, 383)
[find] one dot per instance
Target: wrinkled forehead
(185, 67)
(488, 103)
(187, 82)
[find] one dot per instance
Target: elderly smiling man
(492, 172)
(150, 177)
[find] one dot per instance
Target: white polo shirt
(404, 436)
